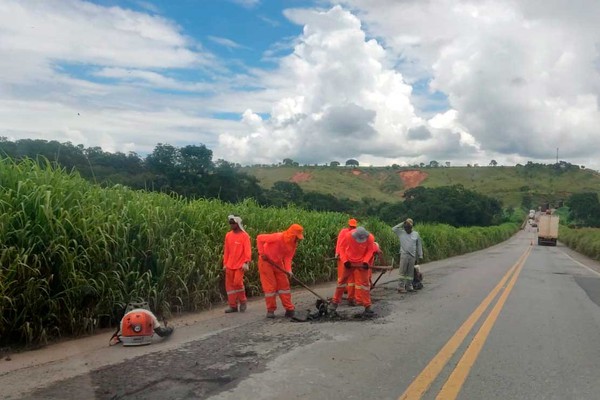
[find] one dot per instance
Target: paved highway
(515, 321)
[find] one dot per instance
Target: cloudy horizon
(384, 82)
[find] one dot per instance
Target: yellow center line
(457, 378)
(424, 380)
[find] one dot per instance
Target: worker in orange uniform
(357, 252)
(276, 251)
(340, 265)
(236, 259)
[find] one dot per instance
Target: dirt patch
(356, 172)
(412, 179)
(301, 177)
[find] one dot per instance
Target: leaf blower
(138, 326)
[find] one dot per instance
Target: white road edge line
(580, 264)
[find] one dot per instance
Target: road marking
(458, 377)
(423, 381)
(581, 264)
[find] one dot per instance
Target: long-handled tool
(383, 271)
(298, 281)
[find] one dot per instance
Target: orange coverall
(340, 265)
(357, 254)
(237, 252)
(280, 248)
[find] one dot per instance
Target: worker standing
(411, 249)
(237, 254)
(358, 247)
(276, 251)
(340, 265)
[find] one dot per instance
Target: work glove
(224, 268)
(245, 267)
(337, 257)
(365, 266)
(347, 264)
(290, 274)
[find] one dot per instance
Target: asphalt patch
(591, 286)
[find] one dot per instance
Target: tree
(448, 164)
(493, 163)
(195, 160)
(163, 159)
(352, 162)
(288, 162)
(584, 208)
(334, 164)
(434, 164)
(291, 192)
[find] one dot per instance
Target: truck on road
(548, 229)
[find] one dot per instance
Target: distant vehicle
(548, 229)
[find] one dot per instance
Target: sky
(257, 81)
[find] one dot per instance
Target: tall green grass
(583, 240)
(73, 254)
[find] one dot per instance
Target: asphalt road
(516, 321)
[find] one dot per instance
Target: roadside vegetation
(581, 227)
(74, 253)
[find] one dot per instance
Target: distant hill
(542, 184)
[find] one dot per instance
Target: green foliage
(452, 205)
(584, 240)
(443, 241)
(72, 254)
(584, 209)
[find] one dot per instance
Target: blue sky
(257, 81)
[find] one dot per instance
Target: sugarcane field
(299, 199)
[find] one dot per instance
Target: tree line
(190, 171)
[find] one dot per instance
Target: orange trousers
(234, 285)
(275, 282)
(362, 286)
(350, 285)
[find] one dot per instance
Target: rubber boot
(332, 307)
(290, 313)
(243, 307)
(270, 314)
(231, 310)
(368, 312)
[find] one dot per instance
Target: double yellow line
(457, 378)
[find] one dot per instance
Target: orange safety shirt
(237, 249)
(277, 249)
(357, 252)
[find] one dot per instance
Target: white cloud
(153, 79)
(230, 44)
(247, 3)
(339, 99)
(41, 42)
(80, 32)
(523, 77)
